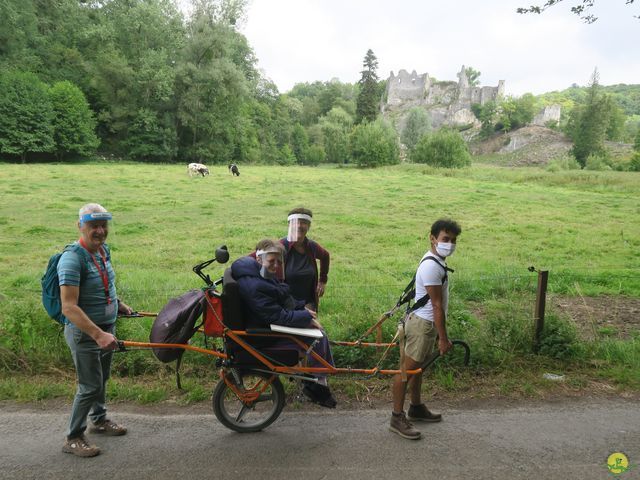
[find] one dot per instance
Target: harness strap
(423, 300)
(402, 341)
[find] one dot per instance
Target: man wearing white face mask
(420, 328)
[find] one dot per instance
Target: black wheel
(262, 403)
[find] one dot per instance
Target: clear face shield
(299, 225)
(94, 227)
(270, 259)
(95, 216)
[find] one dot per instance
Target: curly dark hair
(447, 225)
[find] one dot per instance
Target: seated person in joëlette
(268, 301)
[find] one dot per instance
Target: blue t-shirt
(76, 268)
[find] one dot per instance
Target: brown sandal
(107, 427)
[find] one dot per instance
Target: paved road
(568, 439)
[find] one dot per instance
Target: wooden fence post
(541, 298)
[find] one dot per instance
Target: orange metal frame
(236, 336)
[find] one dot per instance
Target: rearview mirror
(222, 254)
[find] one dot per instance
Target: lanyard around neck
(103, 273)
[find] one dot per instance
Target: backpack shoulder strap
(446, 269)
(107, 252)
(82, 253)
(423, 300)
(409, 291)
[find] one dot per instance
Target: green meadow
(581, 226)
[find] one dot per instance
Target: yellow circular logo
(618, 463)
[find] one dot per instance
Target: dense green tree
(615, 128)
(515, 112)
(211, 87)
(328, 96)
(26, 115)
(486, 113)
(300, 142)
(133, 51)
(318, 98)
(417, 124)
(286, 156)
(73, 122)
(368, 102)
(149, 139)
(374, 144)
(18, 28)
(314, 155)
(588, 123)
(336, 126)
(444, 148)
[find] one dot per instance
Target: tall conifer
(367, 106)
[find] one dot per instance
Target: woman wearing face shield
(301, 256)
(267, 301)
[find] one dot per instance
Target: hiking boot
(403, 427)
(80, 447)
(107, 427)
(420, 413)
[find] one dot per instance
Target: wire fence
(341, 290)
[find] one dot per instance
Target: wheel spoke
(235, 412)
(242, 413)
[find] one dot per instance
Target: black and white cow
(197, 169)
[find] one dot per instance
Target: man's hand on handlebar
(444, 345)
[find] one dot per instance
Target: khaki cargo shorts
(419, 337)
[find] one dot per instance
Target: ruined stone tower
(448, 102)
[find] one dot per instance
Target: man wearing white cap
(90, 305)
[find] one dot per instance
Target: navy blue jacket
(266, 301)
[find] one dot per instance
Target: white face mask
(445, 249)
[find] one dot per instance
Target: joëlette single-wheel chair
(250, 396)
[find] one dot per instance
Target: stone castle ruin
(448, 103)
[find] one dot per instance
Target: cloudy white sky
(308, 40)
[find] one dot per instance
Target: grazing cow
(197, 169)
(233, 168)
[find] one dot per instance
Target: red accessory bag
(213, 325)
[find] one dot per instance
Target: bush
(597, 162)
(286, 156)
(26, 115)
(634, 165)
(565, 162)
(418, 123)
(374, 144)
(445, 148)
(559, 340)
(73, 122)
(313, 155)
